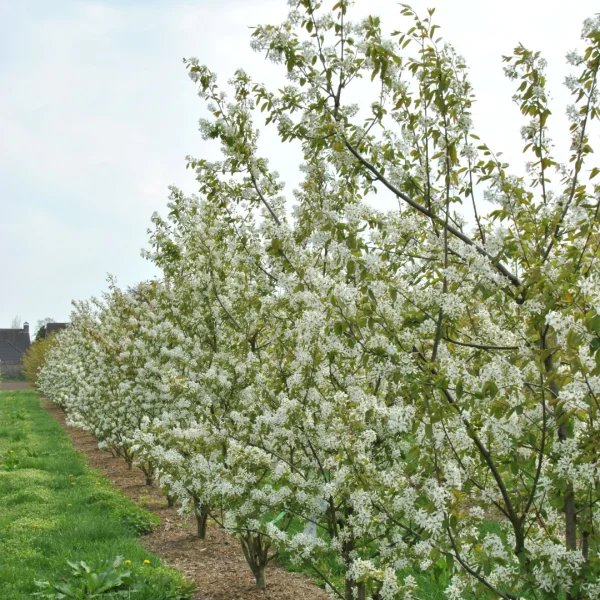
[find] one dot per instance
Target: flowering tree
(493, 324)
(374, 390)
(62, 376)
(218, 304)
(93, 371)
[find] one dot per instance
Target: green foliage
(35, 358)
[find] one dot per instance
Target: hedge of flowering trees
(378, 393)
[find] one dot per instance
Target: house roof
(19, 338)
(9, 352)
(54, 327)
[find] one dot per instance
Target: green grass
(53, 508)
(14, 378)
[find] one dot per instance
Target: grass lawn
(14, 378)
(53, 508)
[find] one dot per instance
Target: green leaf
(459, 389)
(351, 267)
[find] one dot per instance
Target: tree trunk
(362, 590)
(256, 551)
(569, 500)
(201, 520)
(349, 584)
(170, 500)
(348, 589)
(570, 511)
(261, 579)
(585, 545)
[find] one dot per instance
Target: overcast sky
(97, 115)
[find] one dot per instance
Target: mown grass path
(53, 508)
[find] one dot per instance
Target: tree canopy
(411, 390)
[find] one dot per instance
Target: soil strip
(11, 386)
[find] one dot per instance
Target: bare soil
(10, 386)
(216, 564)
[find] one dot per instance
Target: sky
(97, 115)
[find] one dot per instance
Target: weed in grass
(146, 501)
(113, 580)
(9, 461)
(88, 582)
(139, 521)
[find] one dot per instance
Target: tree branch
(419, 207)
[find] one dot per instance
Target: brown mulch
(216, 564)
(10, 386)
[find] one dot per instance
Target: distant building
(54, 327)
(13, 344)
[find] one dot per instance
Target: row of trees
(379, 393)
